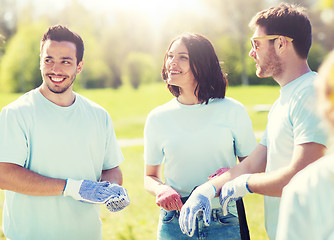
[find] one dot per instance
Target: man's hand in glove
(119, 200)
(88, 191)
(233, 190)
(199, 201)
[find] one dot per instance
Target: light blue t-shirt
(293, 120)
(193, 141)
(307, 205)
(75, 142)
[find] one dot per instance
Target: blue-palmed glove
(199, 201)
(233, 190)
(119, 200)
(88, 191)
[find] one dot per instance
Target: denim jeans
(221, 227)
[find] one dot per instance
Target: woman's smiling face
(178, 66)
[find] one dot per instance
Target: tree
(316, 56)
(322, 19)
(19, 68)
(7, 23)
(140, 69)
(96, 72)
(122, 37)
(236, 15)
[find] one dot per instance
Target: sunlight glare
(157, 10)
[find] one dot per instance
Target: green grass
(128, 109)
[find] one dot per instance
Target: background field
(128, 109)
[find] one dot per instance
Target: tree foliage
(19, 68)
(139, 69)
(7, 22)
(124, 45)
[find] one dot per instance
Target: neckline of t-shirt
(55, 106)
(295, 82)
(193, 106)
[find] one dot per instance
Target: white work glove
(199, 201)
(233, 190)
(119, 200)
(88, 191)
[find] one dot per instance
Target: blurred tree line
(126, 46)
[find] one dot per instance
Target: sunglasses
(268, 37)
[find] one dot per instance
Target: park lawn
(128, 109)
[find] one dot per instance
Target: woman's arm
(166, 196)
(152, 179)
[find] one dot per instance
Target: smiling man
(59, 158)
(59, 66)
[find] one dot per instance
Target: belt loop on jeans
(214, 214)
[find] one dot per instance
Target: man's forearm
(254, 163)
(270, 184)
(21, 180)
(113, 175)
(218, 182)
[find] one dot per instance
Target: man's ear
(282, 43)
(80, 66)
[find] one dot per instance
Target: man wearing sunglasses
(293, 137)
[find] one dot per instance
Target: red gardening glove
(169, 199)
(219, 172)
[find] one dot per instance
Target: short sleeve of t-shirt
(245, 140)
(113, 154)
(263, 140)
(13, 139)
(305, 120)
(153, 153)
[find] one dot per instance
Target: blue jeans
(221, 227)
